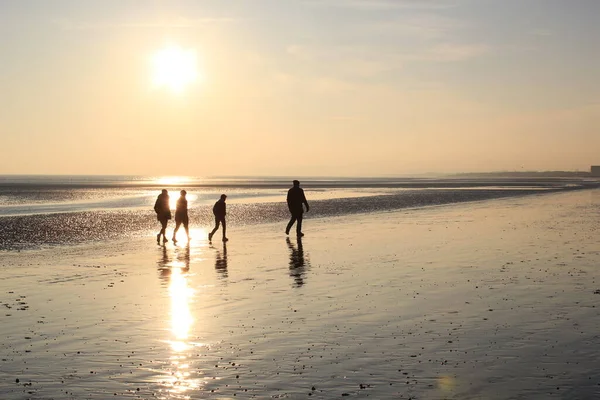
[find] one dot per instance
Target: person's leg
(299, 224)
(224, 229)
(186, 226)
(177, 225)
(290, 224)
(163, 231)
(210, 235)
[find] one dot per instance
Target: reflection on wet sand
(298, 262)
(182, 255)
(221, 262)
(174, 266)
(171, 259)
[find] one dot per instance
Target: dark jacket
(295, 199)
(162, 207)
(220, 209)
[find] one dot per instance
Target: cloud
(345, 61)
(541, 32)
(422, 26)
(180, 22)
(589, 111)
(381, 5)
(346, 118)
(395, 38)
(452, 52)
(325, 85)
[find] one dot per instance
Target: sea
(41, 211)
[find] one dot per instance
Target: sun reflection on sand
(181, 317)
(197, 234)
(181, 322)
(174, 266)
(446, 383)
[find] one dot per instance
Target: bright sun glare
(174, 68)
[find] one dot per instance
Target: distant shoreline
(485, 179)
(527, 174)
(424, 175)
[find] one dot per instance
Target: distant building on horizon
(595, 170)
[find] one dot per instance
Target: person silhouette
(163, 214)
(297, 261)
(295, 200)
(181, 216)
(219, 210)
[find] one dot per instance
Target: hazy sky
(300, 87)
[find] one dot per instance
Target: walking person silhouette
(181, 216)
(219, 210)
(163, 214)
(295, 200)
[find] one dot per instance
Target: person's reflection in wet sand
(183, 257)
(164, 264)
(169, 260)
(298, 263)
(221, 261)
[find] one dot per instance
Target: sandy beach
(493, 299)
(439, 160)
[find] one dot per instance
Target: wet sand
(485, 300)
(53, 225)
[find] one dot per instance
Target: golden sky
(270, 87)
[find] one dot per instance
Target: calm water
(38, 211)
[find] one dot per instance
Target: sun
(174, 68)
